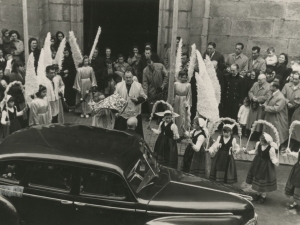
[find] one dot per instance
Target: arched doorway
(123, 22)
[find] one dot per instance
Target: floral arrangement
(115, 102)
(155, 106)
(178, 59)
(15, 83)
(47, 51)
(95, 43)
(294, 123)
(192, 62)
(59, 57)
(207, 105)
(76, 53)
(213, 77)
(31, 81)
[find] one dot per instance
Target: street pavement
(273, 212)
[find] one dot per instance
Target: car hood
(186, 193)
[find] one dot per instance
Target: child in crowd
(9, 118)
(262, 174)
(165, 147)
(84, 81)
(40, 110)
(271, 59)
(223, 168)
(194, 159)
(182, 100)
(292, 188)
(243, 115)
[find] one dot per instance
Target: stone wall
(264, 23)
(44, 16)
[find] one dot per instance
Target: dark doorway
(123, 23)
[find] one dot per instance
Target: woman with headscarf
(194, 159)
(262, 173)
(33, 47)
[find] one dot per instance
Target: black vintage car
(67, 174)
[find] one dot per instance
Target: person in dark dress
(233, 93)
(262, 174)
(194, 159)
(223, 168)
(97, 65)
(59, 37)
(165, 148)
(292, 187)
(68, 74)
(33, 47)
(9, 117)
(281, 66)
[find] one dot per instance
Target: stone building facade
(253, 22)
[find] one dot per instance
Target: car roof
(76, 143)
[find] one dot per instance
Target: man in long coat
(276, 113)
(233, 92)
(133, 93)
(290, 91)
(155, 80)
(258, 94)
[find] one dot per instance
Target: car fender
(9, 214)
(201, 220)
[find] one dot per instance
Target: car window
(102, 184)
(12, 171)
(51, 176)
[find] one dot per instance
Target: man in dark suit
(214, 55)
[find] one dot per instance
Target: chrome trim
(140, 210)
(43, 197)
(191, 214)
(109, 207)
(65, 202)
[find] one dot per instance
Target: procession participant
(262, 174)
(194, 159)
(40, 110)
(233, 93)
(276, 113)
(165, 147)
(155, 80)
(84, 81)
(182, 100)
(133, 93)
(292, 188)
(9, 117)
(68, 74)
(54, 86)
(105, 118)
(289, 91)
(258, 94)
(97, 65)
(132, 124)
(223, 168)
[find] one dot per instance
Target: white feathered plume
(47, 51)
(59, 57)
(41, 70)
(31, 80)
(95, 43)
(76, 53)
(207, 105)
(213, 77)
(178, 59)
(192, 62)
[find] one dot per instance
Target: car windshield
(143, 171)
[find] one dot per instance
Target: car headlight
(253, 221)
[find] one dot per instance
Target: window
(51, 176)
(12, 171)
(102, 183)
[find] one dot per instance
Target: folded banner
(114, 102)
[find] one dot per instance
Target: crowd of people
(252, 89)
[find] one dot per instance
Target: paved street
(273, 212)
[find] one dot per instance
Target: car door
(104, 198)
(47, 196)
